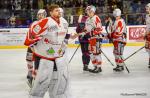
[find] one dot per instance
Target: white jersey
(65, 24)
(52, 43)
(92, 23)
(147, 23)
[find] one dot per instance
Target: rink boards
(12, 38)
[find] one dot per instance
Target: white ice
(107, 84)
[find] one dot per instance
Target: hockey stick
(124, 63)
(74, 53)
(129, 57)
(107, 58)
(134, 53)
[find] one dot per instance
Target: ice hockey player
(147, 34)
(65, 29)
(119, 39)
(84, 43)
(94, 27)
(47, 40)
(29, 56)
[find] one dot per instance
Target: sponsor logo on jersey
(52, 28)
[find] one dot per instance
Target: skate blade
(118, 71)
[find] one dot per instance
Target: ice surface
(107, 84)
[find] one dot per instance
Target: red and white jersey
(94, 28)
(93, 25)
(119, 28)
(147, 23)
(29, 38)
(52, 34)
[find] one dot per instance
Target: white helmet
(42, 11)
(91, 8)
(147, 7)
(117, 12)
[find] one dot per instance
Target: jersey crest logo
(40, 27)
(36, 29)
(50, 51)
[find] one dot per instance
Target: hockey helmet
(42, 11)
(117, 12)
(91, 8)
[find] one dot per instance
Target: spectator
(73, 8)
(134, 6)
(40, 4)
(34, 4)
(12, 21)
(25, 4)
(17, 5)
(139, 20)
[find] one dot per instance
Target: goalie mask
(41, 14)
(147, 7)
(117, 12)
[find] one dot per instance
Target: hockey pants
(85, 53)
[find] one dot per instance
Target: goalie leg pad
(59, 86)
(42, 79)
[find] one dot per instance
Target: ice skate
(118, 68)
(95, 70)
(85, 68)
